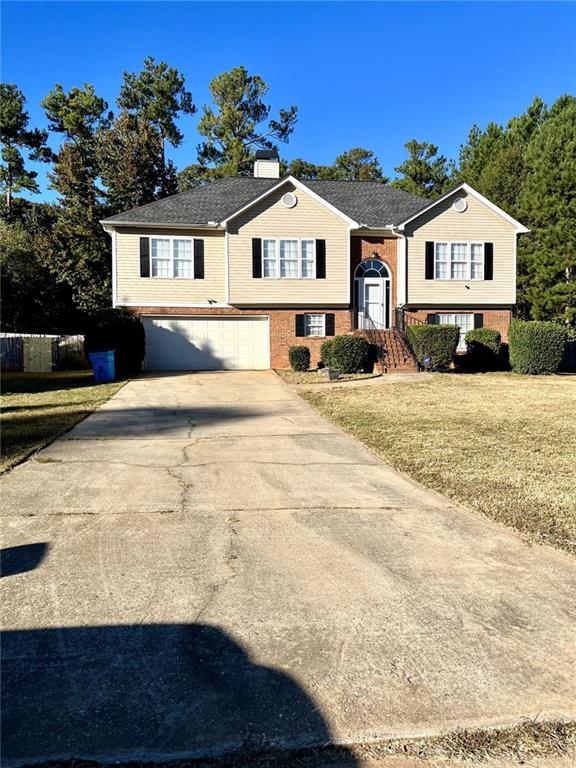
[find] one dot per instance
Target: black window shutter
(199, 259)
(478, 320)
(488, 261)
(320, 259)
(330, 324)
(429, 274)
(144, 257)
(432, 319)
(300, 330)
(256, 257)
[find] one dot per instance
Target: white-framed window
(314, 325)
(269, 258)
(459, 260)
(476, 261)
(172, 257)
(465, 321)
(441, 261)
(291, 258)
(161, 261)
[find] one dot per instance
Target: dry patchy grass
(37, 407)
(527, 741)
(502, 444)
(319, 377)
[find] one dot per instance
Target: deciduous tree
(128, 156)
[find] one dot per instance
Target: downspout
(401, 266)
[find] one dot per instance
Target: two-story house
(231, 274)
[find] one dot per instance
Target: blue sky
(362, 74)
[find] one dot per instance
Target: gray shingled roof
(367, 202)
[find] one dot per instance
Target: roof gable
(299, 185)
(520, 228)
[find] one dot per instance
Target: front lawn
(504, 445)
(319, 377)
(37, 407)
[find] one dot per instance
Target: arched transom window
(372, 268)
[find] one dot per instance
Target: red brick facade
(498, 319)
(282, 326)
(382, 248)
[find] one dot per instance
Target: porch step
(397, 355)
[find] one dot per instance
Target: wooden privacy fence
(39, 353)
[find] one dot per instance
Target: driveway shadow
(147, 692)
(15, 560)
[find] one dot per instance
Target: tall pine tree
(237, 125)
(424, 173)
(78, 251)
(547, 204)
(16, 139)
(157, 96)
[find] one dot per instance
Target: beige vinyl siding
(133, 289)
(308, 219)
(477, 224)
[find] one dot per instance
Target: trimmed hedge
(483, 345)
(536, 347)
(121, 331)
(299, 357)
(326, 353)
(349, 353)
(438, 342)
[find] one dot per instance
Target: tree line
(56, 257)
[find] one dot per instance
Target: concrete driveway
(205, 564)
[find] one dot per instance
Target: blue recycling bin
(103, 366)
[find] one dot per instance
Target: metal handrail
(402, 319)
(376, 336)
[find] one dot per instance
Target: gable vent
(460, 205)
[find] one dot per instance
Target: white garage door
(206, 343)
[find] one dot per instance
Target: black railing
(403, 319)
(374, 335)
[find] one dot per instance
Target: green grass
(502, 444)
(37, 407)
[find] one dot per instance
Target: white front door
(372, 310)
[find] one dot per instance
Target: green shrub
(326, 353)
(121, 331)
(349, 353)
(73, 361)
(483, 345)
(438, 342)
(299, 358)
(536, 346)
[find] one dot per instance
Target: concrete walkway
(205, 564)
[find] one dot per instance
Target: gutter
(142, 224)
